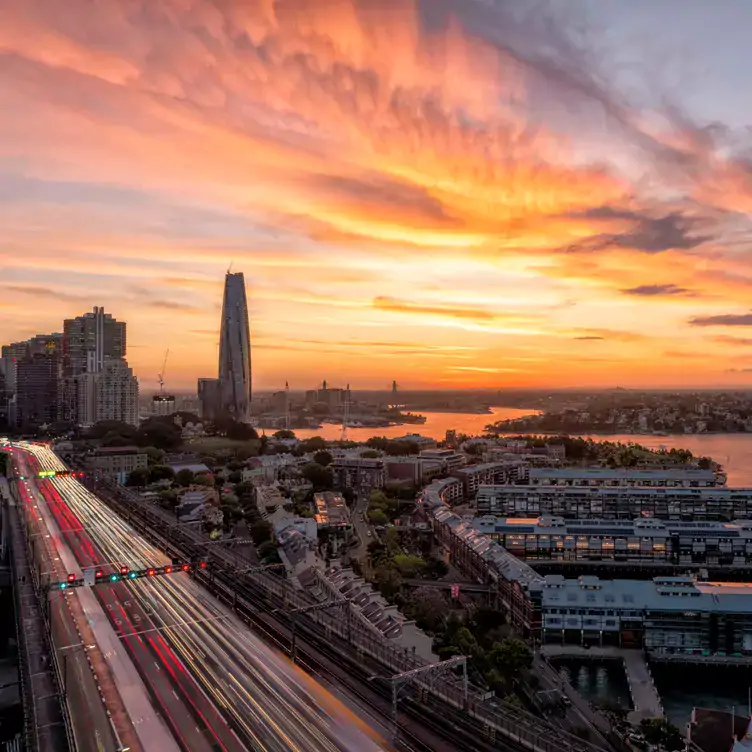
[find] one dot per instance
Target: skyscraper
(89, 339)
(235, 351)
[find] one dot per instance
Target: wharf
(645, 699)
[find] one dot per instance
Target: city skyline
(443, 193)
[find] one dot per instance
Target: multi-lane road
(180, 670)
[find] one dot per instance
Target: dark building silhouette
(235, 351)
(38, 381)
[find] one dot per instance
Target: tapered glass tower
(235, 351)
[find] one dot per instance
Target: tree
(161, 472)
(240, 431)
(138, 477)
(320, 477)
(511, 658)
(370, 454)
(323, 458)
(265, 548)
(377, 517)
(155, 455)
(409, 566)
(261, 531)
(203, 480)
(235, 476)
(388, 581)
(243, 489)
(101, 429)
(314, 444)
(184, 477)
(428, 607)
(283, 434)
(348, 495)
(160, 435)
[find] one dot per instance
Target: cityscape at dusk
(375, 376)
(450, 194)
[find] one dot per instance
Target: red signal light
(98, 574)
(71, 578)
(202, 565)
(150, 573)
(168, 570)
(186, 567)
(123, 570)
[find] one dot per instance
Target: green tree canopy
(262, 531)
(323, 458)
(283, 434)
(511, 658)
(320, 477)
(161, 472)
(314, 444)
(139, 477)
(184, 477)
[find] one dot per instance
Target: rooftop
(661, 594)
(607, 473)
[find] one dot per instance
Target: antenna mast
(287, 406)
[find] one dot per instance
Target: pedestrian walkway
(645, 698)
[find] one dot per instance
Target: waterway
(733, 451)
(436, 425)
(681, 688)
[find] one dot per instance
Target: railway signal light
(114, 577)
(132, 575)
(202, 564)
(186, 567)
(150, 572)
(98, 574)
(63, 585)
(71, 578)
(124, 571)
(168, 569)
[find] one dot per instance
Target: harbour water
(733, 451)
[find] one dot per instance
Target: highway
(211, 682)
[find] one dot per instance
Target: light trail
(270, 702)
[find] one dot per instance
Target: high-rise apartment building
(90, 339)
(116, 392)
(235, 351)
(37, 377)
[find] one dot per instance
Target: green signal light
(132, 575)
(114, 577)
(63, 585)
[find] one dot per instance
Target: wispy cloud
(658, 291)
(723, 319)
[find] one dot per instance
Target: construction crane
(160, 376)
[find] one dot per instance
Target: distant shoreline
(596, 432)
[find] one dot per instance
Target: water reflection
(602, 683)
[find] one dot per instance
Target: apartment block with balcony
(690, 477)
(625, 503)
(490, 473)
(362, 475)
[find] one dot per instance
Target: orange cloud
(414, 164)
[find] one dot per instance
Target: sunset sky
(442, 192)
